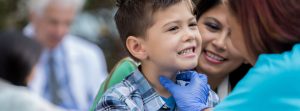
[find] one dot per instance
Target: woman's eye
(212, 27)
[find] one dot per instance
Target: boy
(163, 36)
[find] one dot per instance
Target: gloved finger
(203, 77)
(167, 83)
(185, 75)
(198, 79)
(195, 79)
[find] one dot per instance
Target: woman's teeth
(213, 56)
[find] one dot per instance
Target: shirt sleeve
(110, 103)
(123, 69)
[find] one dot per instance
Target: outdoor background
(95, 24)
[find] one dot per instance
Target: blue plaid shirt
(134, 93)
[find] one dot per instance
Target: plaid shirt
(134, 93)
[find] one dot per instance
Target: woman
(266, 32)
(219, 60)
(222, 74)
(18, 57)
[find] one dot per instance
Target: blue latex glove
(192, 97)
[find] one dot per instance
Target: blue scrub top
(273, 84)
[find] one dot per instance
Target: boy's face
(173, 42)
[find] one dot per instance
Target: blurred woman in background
(18, 57)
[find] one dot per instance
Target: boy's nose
(189, 35)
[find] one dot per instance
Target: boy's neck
(152, 73)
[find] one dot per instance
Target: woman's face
(218, 57)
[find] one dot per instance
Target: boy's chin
(188, 66)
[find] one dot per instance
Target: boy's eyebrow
(178, 21)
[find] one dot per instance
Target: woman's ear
(246, 62)
(136, 47)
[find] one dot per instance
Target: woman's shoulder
(270, 67)
(274, 78)
(276, 63)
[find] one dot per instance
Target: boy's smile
(188, 52)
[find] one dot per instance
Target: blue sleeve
(272, 84)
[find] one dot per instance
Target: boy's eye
(213, 27)
(174, 28)
(193, 25)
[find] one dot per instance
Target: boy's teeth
(215, 56)
(186, 51)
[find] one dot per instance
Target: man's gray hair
(38, 6)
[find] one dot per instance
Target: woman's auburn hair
(269, 26)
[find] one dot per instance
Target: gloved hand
(192, 97)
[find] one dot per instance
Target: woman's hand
(192, 97)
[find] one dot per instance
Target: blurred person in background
(18, 57)
(70, 70)
(98, 27)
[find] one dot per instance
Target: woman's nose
(220, 42)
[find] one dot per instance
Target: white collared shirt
(80, 69)
(224, 88)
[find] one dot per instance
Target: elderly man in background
(70, 70)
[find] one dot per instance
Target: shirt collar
(148, 93)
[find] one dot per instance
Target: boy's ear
(136, 47)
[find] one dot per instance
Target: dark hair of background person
(18, 56)
(269, 26)
(202, 7)
(134, 17)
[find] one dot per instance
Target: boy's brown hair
(134, 17)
